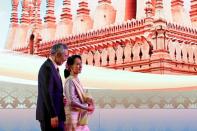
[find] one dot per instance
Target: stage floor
(111, 120)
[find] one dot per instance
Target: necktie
(58, 72)
(59, 75)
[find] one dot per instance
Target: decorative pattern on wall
(17, 96)
(24, 97)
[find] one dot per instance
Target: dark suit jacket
(50, 93)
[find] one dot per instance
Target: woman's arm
(75, 101)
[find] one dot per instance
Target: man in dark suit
(50, 106)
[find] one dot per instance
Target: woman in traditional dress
(78, 104)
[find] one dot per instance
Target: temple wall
(20, 37)
(180, 16)
(11, 36)
(140, 9)
(103, 41)
(167, 10)
(82, 24)
(104, 15)
(63, 29)
(48, 31)
(119, 5)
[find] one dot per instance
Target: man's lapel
(55, 72)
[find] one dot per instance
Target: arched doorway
(31, 44)
(130, 9)
(153, 3)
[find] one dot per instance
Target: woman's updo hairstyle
(69, 63)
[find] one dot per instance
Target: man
(50, 106)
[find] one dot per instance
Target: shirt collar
(56, 66)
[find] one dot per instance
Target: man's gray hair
(58, 48)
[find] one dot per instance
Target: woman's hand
(65, 101)
(90, 102)
(90, 108)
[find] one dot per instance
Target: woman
(79, 105)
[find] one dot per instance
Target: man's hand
(54, 122)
